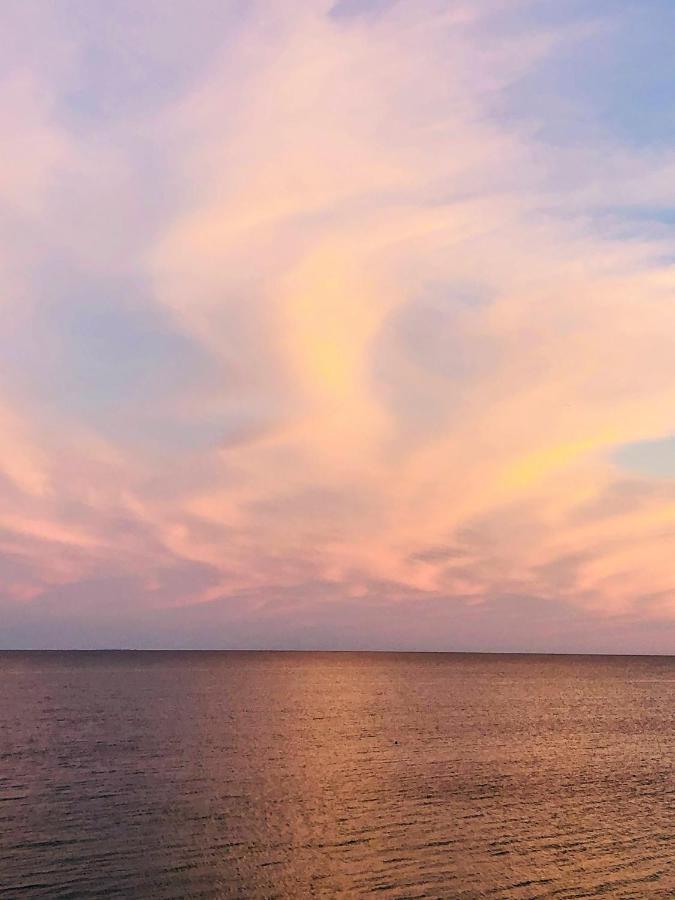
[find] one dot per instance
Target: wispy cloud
(329, 312)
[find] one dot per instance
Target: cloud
(319, 319)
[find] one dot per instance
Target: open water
(162, 775)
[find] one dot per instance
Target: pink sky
(337, 325)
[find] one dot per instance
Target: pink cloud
(421, 352)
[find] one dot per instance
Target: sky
(338, 324)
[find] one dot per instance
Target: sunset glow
(338, 324)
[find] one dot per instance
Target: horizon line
(327, 650)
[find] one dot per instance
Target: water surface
(162, 774)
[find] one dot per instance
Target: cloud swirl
(336, 324)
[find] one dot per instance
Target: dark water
(297, 775)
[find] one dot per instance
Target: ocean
(271, 774)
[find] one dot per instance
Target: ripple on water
(286, 775)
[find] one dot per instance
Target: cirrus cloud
(323, 317)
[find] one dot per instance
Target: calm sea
(162, 774)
